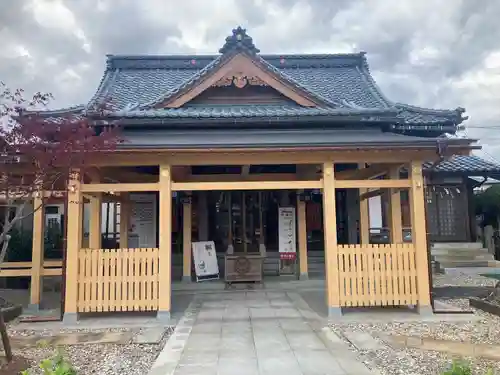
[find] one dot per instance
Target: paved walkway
(249, 333)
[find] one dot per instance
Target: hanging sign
(205, 260)
(286, 232)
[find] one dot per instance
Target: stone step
(465, 263)
(455, 245)
(446, 258)
(460, 252)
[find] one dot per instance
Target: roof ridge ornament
(239, 40)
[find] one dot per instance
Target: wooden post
(37, 254)
(186, 240)
(419, 236)
(95, 229)
(74, 241)
(364, 216)
(124, 220)
(244, 222)
(165, 245)
(395, 217)
(302, 232)
(202, 216)
(331, 250)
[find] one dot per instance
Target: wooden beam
(261, 156)
(28, 272)
(368, 184)
(370, 193)
(246, 185)
(373, 171)
(331, 248)
(240, 177)
(125, 175)
(126, 187)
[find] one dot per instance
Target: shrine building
(273, 158)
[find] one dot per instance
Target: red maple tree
(41, 151)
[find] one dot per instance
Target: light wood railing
(377, 275)
(15, 269)
(118, 280)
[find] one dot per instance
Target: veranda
(139, 279)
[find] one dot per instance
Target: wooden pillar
(364, 216)
(331, 250)
(186, 239)
(302, 232)
(419, 236)
(165, 245)
(37, 254)
(73, 244)
(395, 217)
(202, 216)
(124, 220)
(95, 229)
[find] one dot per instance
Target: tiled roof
(340, 81)
(250, 111)
(464, 164)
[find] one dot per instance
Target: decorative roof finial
(239, 40)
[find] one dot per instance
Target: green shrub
(462, 368)
(55, 366)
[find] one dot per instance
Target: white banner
(205, 259)
(286, 230)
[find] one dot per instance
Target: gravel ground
(396, 361)
(460, 278)
(104, 359)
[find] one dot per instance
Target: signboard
(142, 232)
(205, 260)
(286, 233)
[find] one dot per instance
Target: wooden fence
(118, 280)
(377, 275)
(15, 269)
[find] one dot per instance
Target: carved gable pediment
(240, 67)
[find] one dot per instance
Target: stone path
(249, 333)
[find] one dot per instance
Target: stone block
(363, 340)
(149, 336)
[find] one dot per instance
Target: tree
(487, 204)
(40, 153)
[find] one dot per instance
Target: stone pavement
(258, 332)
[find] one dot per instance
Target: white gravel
(103, 359)
(396, 361)
(457, 277)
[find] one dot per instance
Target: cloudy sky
(433, 53)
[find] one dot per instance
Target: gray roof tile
(251, 111)
(464, 164)
(338, 81)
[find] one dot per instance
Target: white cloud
(423, 52)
